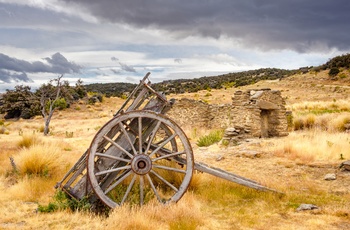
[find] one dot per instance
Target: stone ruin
(253, 113)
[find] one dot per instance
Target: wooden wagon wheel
(130, 160)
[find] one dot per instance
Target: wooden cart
(139, 155)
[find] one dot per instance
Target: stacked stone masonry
(253, 113)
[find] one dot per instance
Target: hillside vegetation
(224, 81)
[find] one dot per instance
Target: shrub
(61, 201)
(342, 75)
(60, 103)
(95, 98)
(213, 137)
(20, 102)
(333, 72)
(290, 120)
(69, 134)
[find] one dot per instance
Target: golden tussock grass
(314, 145)
(39, 167)
(29, 140)
(32, 189)
(40, 160)
(183, 215)
(320, 106)
(334, 122)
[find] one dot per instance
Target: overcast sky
(122, 40)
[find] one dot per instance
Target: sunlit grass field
(31, 165)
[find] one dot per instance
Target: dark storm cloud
(127, 68)
(59, 64)
(13, 69)
(299, 25)
(7, 77)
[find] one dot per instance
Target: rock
(345, 165)
(249, 154)
(266, 105)
(255, 94)
(229, 130)
(304, 207)
(219, 158)
(330, 176)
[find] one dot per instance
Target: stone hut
(260, 112)
(253, 113)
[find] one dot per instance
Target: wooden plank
(142, 82)
(220, 173)
(231, 177)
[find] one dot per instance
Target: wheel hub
(141, 164)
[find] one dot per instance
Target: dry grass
(40, 160)
(294, 165)
(183, 215)
(313, 146)
(334, 122)
(319, 107)
(29, 140)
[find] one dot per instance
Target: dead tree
(49, 96)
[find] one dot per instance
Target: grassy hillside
(295, 165)
(336, 68)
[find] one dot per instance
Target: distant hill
(193, 85)
(217, 82)
(222, 81)
(110, 89)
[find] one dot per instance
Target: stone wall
(254, 113)
(190, 113)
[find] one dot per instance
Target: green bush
(333, 72)
(290, 120)
(61, 104)
(213, 137)
(61, 201)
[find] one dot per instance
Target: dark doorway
(264, 119)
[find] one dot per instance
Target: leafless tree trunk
(45, 99)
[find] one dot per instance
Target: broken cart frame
(140, 154)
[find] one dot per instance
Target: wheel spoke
(169, 168)
(127, 137)
(140, 135)
(165, 181)
(153, 187)
(113, 157)
(128, 189)
(154, 131)
(117, 182)
(118, 146)
(162, 145)
(112, 170)
(168, 156)
(141, 190)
